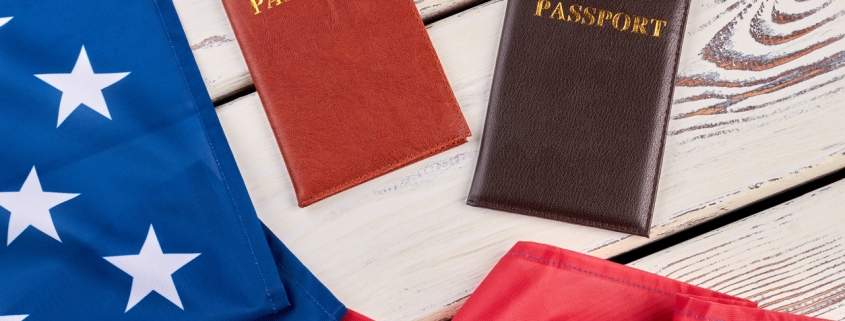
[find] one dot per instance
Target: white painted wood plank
(214, 45)
(790, 258)
(216, 50)
(405, 247)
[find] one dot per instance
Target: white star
(3, 21)
(151, 270)
(13, 317)
(31, 207)
(82, 86)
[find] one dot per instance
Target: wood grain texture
(405, 247)
(216, 50)
(790, 258)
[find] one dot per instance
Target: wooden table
(759, 108)
(790, 258)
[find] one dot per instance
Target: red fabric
(540, 282)
(698, 309)
(354, 316)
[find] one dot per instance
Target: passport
(352, 89)
(577, 115)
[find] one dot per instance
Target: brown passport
(353, 89)
(578, 111)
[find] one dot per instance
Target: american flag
(119, 192)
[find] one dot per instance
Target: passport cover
(578, 111)
(352, 89)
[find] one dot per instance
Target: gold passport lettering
(599, 17)
(616, 21)
(258, 4)
(542, 5)
(639, 25)
(603, 16)
(589, 15)
(657, 24)
(574, 13)
(559, 12)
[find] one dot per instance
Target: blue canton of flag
(122, 196)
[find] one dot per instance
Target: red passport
(352, 89)
(541, 282)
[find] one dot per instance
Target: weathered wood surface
(790, 258)
(216, 50)
(405, 247)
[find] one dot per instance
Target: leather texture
(578, 112)
(352, 89)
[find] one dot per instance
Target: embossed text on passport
(590, 16)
